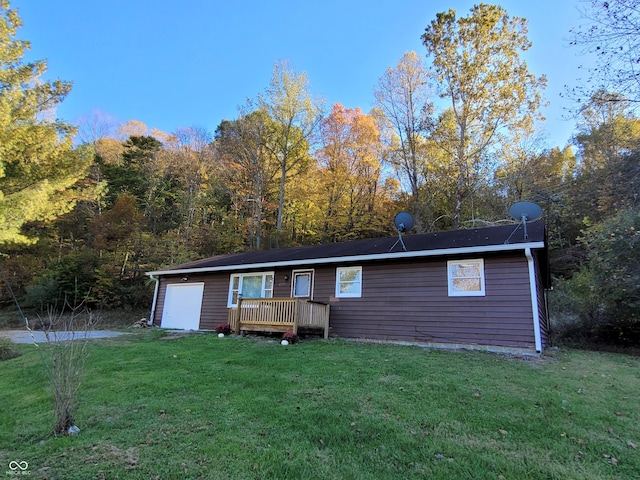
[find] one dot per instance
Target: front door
(302, 285)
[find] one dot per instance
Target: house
(482, 287)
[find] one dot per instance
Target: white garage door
(182, 305)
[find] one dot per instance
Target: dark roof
(505, 236)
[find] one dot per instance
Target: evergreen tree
(39, 169)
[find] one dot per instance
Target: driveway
(24, 336)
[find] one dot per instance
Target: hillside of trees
(91, 216)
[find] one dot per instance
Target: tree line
(452, 139)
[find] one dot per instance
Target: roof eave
(357, 258)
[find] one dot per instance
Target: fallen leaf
(631, 444)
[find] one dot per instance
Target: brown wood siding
(216, 291)
(162, 290)
(409, 301)
(406, 301)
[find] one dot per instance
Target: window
(250, 285)
(349, 282)
(466, 277)
(302, 283)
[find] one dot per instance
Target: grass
(200, 407)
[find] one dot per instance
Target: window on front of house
(250, 285)
(349, 282)
(466, 278)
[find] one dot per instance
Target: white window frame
(453, 292)
(358, 284)
(264, 292)
(294, 274)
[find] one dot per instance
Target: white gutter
(155, 298)
(534, 300)
(357, 258)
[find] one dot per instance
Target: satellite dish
(525, 211)
(403, 221)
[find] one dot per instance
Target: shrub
(223, 328)
(603, 297)
(290, 337)
(8, 350)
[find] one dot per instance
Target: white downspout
(534, 300)
(155, 299)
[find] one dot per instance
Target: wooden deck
(278, 315)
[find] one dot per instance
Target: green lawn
(238, 408)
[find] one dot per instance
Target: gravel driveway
(24, 336)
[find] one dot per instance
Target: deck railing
(278, 315)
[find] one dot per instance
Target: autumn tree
(132, 173)
(492, 95)
(608, 144)
(289, 103)
(96, 126)
(192, 162)
(529, 172)
(403, 97)
(250, 168)
(607, 130)
(304, 214)
(39, 168)
(611, 33)
(350, 169)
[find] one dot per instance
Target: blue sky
(194, 62)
